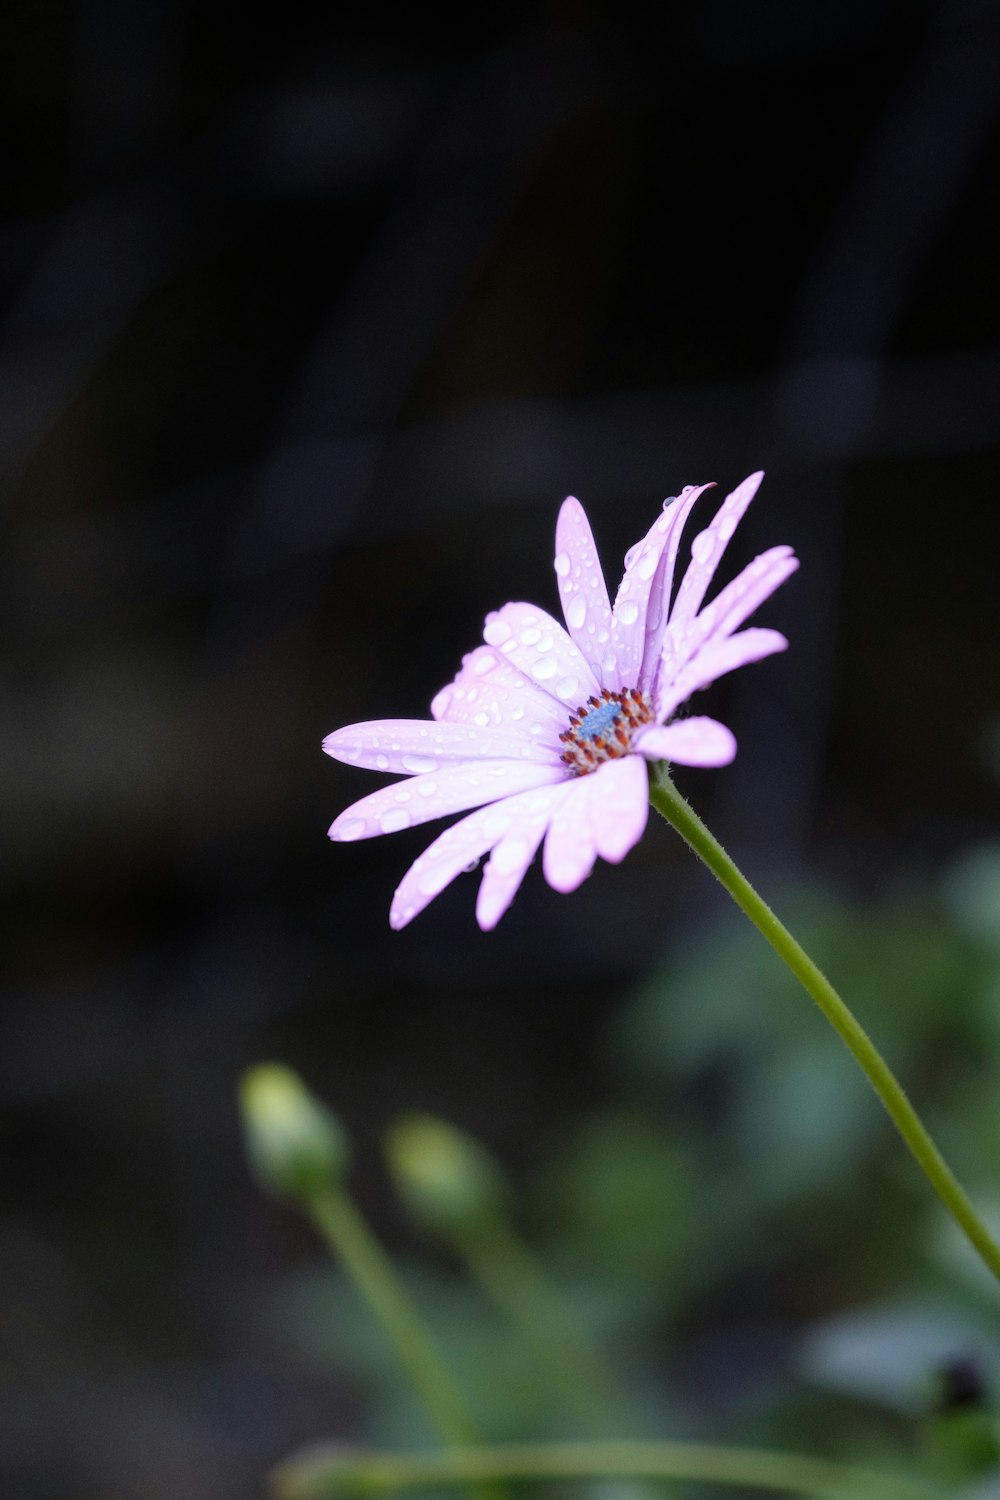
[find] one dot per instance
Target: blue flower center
(602, 729)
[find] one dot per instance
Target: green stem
(347, 1234)
(343, 1474)
(668, 801)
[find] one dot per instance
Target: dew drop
(727, 526)
(394, 820)
(576, 614)
(517, 712)
(403, 795)
(628, 612)
(418, 764)
(646, 566)
(567, 688)
(352, 829)
(530, 636)
(562, 564)
(472, 865)
(669, 501)
(496, 632)
(426, 788)
(482, 719)
(544, 668)
(382, 761)
(483, 665)
(703, 546)
(632, 554)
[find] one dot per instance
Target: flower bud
(296, 1146)
(447, 1180)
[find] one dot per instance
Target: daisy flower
(546, 732)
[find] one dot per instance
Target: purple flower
(547, 734)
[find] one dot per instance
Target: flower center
(602, 729)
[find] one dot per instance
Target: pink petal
(511, 857)
(640, 613)
(707, 549)
(405, 804)
(539, 648)
(570, 850)
(689, 742)
(715, 659)
(489, 690)
(618, 806)
(582, 589)
(418, 746)
(603, 813)
(725, 614)
(466, 842)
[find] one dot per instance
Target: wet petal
(725, 614)
(513, 854)
(618, 805)
(538, 647)
(707, 549)
(582, 589)
(641, 605)
(405, 804)
(464, 844)
(413, 747)
(689, 742)
(570, 849)
(489, 690)
(717, 658)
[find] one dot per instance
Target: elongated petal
(489, 690)
(707, 549)
(603, 813)
(717, 658)
(513, 854)
(537, 646)
(466, 842)
(725, 614)
(405, 804)
(618, 806)
(641, 605)
(689, 742)
(570, 849)
(414, 747)
(582, 589)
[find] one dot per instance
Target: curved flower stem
(669, 802)
(347, 1234)
(345, 1474)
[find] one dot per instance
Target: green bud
(296, 1146)
(447, 1180)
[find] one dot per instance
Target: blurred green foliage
(736, 1226)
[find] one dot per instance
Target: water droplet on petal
(472, 865)
(562, 564)
(727, 526)
(628, 612)
(353, 828)
(577, 612)
(530, 636)
(394, 820)
(382, 761)
(426, 788)
(482, 719)
(544, 668)
(496, 632)
(632, 554)
(567, 688)
(403, 795)
(669, 501)
(646, 566)
(517, 712)
(418, 764)
(703, 546)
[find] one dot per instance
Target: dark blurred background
(311, 321)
